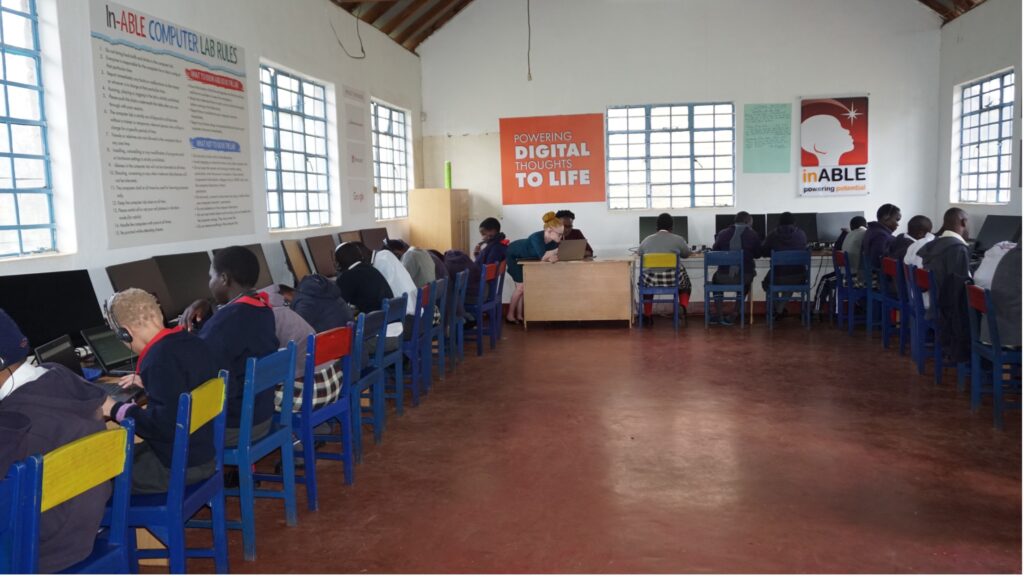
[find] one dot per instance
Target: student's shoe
(713, 319)
(725, 321)
(648, 320)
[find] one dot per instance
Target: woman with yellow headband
(542, 245)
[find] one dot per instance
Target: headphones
(122, 333)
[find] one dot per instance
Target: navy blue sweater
(363, 287)
(176, 362)
(234, 333)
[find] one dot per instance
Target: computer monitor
(374, 238)
(321, 251)
(145, 275)
(265, 279)
(296, 259)
(350, 236)
(830, 223)
(187, 276)
(997, 228)
(723, 221)
(48, 305)
(649, 226)
(805, 221)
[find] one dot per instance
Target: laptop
(111, 354)
(572, 250)
(61, 351)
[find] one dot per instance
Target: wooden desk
(587, 290)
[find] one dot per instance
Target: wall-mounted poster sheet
(834, 146)
(173, 129)
(552, 159)
(767, 137)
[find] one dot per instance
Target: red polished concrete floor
(595, 449)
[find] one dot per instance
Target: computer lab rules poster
(173, 129)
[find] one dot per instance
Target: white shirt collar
(25, 374)
(951, 234)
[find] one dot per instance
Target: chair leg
(479, 329)
(309, 464)
(355, 412)
(218, 515)
(288, 472)
(133, 554)
(247, 505)
(494, 328)
(400, 385)
(176, 548)
(441, 353)
(377, 404)
(346, 446)
(997, 392)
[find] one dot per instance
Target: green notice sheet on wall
(767, 137)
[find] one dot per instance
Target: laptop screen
(60, 351)
(109, 351)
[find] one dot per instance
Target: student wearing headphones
(242, 327)
(44, 408)
(171, 362)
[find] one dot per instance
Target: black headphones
(3, 364)
(122, 333)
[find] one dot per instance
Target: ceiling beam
(429, 16)
(395, 21)
(963, 6)
(418, 39)
(370, 15)
(945, 13)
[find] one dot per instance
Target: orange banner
(552, 159)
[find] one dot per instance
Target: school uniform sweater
(236, 332)
(364, 287)
(174, 362)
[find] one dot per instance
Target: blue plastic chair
(334, 347)
(488, 304)
(274, 370)
(499, 322)
(393, 361)
(873, 297)
(891, 298)
(12, 533)
(848, 294)
(436, 333)
(416, 344)
(790, 258)
(923, 335)
(713, 260)
(167, 515)
(962, 368)
(981, 310)
(664, 260)
(457, 323)
(58, 476)
(368, 379)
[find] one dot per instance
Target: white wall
(589, 54)
(295, 34)
(985, 40)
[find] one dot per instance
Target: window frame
(692, 157)
(300, 110)
(12, 155)
(957, 192)
(402, 198)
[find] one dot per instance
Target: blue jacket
(875, 245)
(784, 237)
(319, 302)
(495, 250)
(750, 243)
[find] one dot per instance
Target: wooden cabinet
(439, 218)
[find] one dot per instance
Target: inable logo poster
(834, 146)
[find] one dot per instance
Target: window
(26, 199)
(295, 143)
(986, 141)
(390, 161)
(672, 156)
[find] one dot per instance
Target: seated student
(852, 245)
(665, 241)
(879, 237)
(327, 380)
(360, 284)
(493, 245)
(46, 408)
(919, 227)
(571, 233)
(542, 245)
(912, 256)
(415, 260)
(400, 281)
(1006, 297)
(993, 256)
(440, 268)
(786, 236)
(739, 236)
(949, 258)
(242, 327)
(319, 302)
(171, 362)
